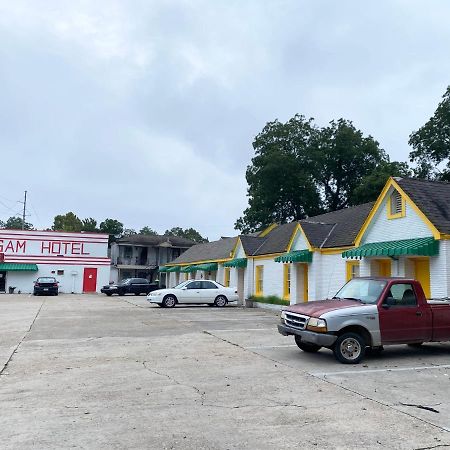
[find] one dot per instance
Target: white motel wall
(79, 261)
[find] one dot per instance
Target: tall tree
(112, 227)
(89, 224)
(431, 143)
(344, 157)
(127, 232)
(281, 186)
(188, 233)
(67, 222)
(148, 231)
(372, 185)
(15, 223)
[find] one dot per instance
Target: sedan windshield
(363, 290)
(179, 286)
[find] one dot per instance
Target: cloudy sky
(145, 110)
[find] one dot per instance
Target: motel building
(78, 261)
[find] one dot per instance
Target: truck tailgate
(441, 320)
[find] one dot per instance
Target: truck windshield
(366, 291)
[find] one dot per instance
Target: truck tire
(349, 348)
(306, 346)
(415, 345)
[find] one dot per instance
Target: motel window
(259, 280)
(127, 252)
(286, 281)
(226, 280)
(352, 270)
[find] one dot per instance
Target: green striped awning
(187, 269)
(295, 256)
(210, 267)
(163, 269)
(427, 246)
(174, 269)
(237, 262)
(18, 267)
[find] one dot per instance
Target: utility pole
(24, 210)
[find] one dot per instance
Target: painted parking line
(395, 369)
(257, 347)
(241, 329)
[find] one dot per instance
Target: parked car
(368, 312)
(134, 286)
(194, 291)
(46, 286)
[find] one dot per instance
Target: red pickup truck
(368, 313)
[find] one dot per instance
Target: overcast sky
(145, 111)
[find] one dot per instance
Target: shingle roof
(432, 198)
(277, 240)
(337, 228)
(251, 243)
(145, 239)
(215, 250)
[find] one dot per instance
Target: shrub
(271, 300)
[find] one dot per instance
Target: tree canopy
(300, 169)
(67, 222)
(15, 223)
(431, 144)
(188, 233)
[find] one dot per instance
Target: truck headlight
(319, 325)
(283, 314)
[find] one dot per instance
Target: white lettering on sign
(12, 246)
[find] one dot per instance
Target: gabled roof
(337, 228)
(432, 198)
(209, 251)
(251, 243)
(156, 241)
(278, 239)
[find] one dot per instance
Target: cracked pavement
(98, 372)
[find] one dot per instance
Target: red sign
(2, 257)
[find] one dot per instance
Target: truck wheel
(109, 294)
(306, 346)
(415, 345)
(349, 348)
(169, 301)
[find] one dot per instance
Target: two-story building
(141, 255)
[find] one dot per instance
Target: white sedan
(194, 291)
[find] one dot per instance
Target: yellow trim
(233, 252)
(294, 234)
(305, 282)
(259, 281)
(349, 269)
(334, 250)
(422, 274)
(267, 230)
(445, 236)
(286, 280)
(392, 183)
(268, 256)
(399, 215)
(226, 277)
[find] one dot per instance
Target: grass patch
(271, 300)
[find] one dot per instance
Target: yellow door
(305, 282)
(422, 271)
(384, 268)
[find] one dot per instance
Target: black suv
(134, 286)
(46, 286)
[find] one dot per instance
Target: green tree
(128, 232)
(89, 224)
(431, 144)
(15, 223)
(67, 222)
(148, 231)
(281, 186)
(188, 233)
(372, 185)
(112, 227)
(344, 157)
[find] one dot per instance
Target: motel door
(90, 280)
(2, 281)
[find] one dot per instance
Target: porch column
(294, 284)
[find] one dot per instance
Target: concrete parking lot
(81, 371)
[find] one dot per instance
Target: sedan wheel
(220, 301)
(169, 301)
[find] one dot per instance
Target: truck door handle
(418, 313)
